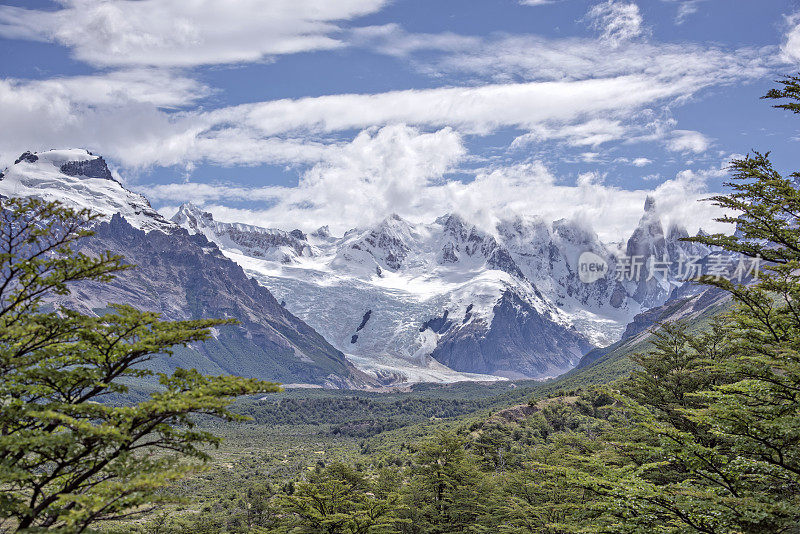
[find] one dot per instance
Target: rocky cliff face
(520, 342)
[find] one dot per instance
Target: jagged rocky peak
(252, 240)
(389, 242)
(677, 231)
(454, 225)
(524, 230)
(648, 238)
(79, 179)
(189, 215)
(576, 233)
(298, 234)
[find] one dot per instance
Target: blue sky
(298, 113)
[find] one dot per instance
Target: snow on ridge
(59, 175)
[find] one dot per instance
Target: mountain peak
(322, 231)
(190, 213)
(81, 180)
(649, 204)
(75, 162)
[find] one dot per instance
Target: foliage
(68, 460)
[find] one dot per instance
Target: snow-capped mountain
(79, 179)
(390, 295)
(275, 245)
(181, 276)
(405, 302)
(509, 303)
(662, 257)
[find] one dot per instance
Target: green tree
(67, 459)
(716, 442)
(340, 500)
(447, 492)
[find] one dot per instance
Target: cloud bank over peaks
(401, 169)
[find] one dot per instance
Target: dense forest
(703, 435)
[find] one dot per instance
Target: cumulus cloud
(616, 21)
(379, 172)
(641, 162)
(688, 141)
(399, 169)
(179, 33)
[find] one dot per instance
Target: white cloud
(616, 21)
(470, 109)
(688, 141)
(402, 170)
(180, 33)
(161, 88)
(641, 162)
(510, 58)
(590, 133)
(392, 40)
(536, 2)
(686, 8)
(581, 91)
(791, 45)
(291, 131)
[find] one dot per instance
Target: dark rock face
(440, 325)
(93, 168)
(30, 157)
(520, 343)
(364, 320)
(185, 276)
(468, 314)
